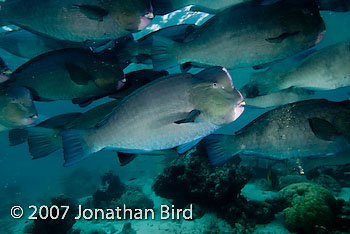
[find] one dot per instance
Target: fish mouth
(30, 120)
(320, 37)
(121, 83)
(149, 15)
(144, 22)
(242, 103)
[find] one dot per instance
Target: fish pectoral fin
(186, 147)
(190, 117)
(281, 37)
(265, 65)
(77, 74)
(92, 12)
(323, 129)
(83, 102)
(125, 158)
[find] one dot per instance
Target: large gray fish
(176, 110)
(25, 44)
(78, 20)
(312, 128)
(69, 74)
(244, 35)
(16, 108)
(326, 69)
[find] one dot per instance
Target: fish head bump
(216, 97)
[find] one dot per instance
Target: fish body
(314, 128)
(78, 20)
(328, 66)
(16, 108)
(169, 112)
(244, 35)
(67, 75)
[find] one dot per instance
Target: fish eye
(215, 85)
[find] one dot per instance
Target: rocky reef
(191, 179)
(114, 193)
(111, 189)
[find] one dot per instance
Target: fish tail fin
(43, 141)
(75, 148)
(221, 148)
(17, 136)
(164, 53)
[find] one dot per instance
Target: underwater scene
(174, 116)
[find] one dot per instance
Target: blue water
(25, 181)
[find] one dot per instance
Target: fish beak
(149, 15)
(35, 116)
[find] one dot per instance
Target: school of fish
(79, 50)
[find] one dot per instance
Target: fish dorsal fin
(92, 12)
(190, 117)
(323, 129)
(282, 37)
(186, 147)
(77, 74)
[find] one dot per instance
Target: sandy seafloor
(25, 182)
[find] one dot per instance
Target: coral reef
(114, 193)
(310, 208)
(56, 226)
(111, 189)
(191, 179)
